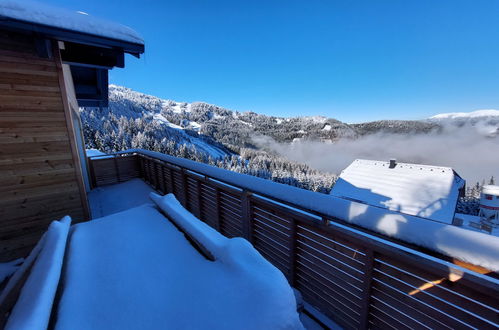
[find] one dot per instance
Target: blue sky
(351, 60)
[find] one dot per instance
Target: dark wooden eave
(89, 56)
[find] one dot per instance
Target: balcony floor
(122, 196)
(118, 197)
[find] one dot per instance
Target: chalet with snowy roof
(429, 192)
(51, 62)
(178, 244)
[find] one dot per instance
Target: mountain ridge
(254, 143)
(232, 130)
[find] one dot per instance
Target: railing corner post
(185, 192)
(246, 214)
(366, 289)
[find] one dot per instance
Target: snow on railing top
(78, 21)
(469, 246)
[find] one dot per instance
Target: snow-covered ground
(135, 192)
(136, 270)
(119, 197)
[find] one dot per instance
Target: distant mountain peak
(467, 115)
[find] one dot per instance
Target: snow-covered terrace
(127, 206)
(146, 263)
(330, 249)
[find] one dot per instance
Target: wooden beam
(65, 77)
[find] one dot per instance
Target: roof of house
(67, 25)
(91, 46)
(426, 191)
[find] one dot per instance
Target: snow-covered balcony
(346, 259)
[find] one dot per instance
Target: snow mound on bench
(260, 280)
(34, 305)
(136, 270)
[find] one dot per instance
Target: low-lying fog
(473, 151)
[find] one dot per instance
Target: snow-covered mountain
(486, 122)
(489, 114)
(215, 131)
(207, 133)
(267, 146)
(200, 123)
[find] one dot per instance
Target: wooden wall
(39, 170)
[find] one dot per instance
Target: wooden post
(159, 175)
(246, 213)
(200, 200)
(163, 179)
(141, 166)
(156, 170)
(217, 209)
(172, 184)
(146, 170)
(292, 251)
(91, 164)
(185, 192)
(116, 168)
(366, 289)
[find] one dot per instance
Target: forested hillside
(233, 140)
(208, 134)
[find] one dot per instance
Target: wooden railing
(356, 279)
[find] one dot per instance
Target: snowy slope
(215, 121)
(135, 119)
(485, 122)
(204, 127)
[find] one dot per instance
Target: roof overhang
(89, 56)
(56, 33)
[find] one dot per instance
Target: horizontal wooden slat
(330, 254)
(399, 307)
(467, 313)
(10, 182)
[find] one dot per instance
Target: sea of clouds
(472, 150)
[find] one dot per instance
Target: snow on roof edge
(473, 247)
(34, 12)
